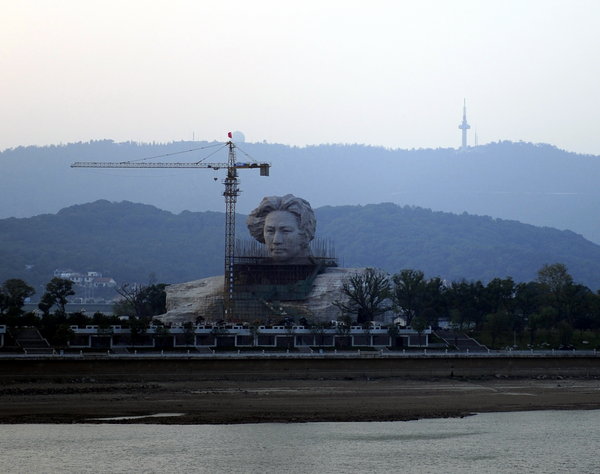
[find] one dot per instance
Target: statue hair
(296, 206)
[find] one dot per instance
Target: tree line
(551, 310)
(139, 302)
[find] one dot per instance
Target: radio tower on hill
(464, 126)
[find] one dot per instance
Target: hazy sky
(391, 73)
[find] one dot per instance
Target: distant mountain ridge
(131, 241)
(532, 183)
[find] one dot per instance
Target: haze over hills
(130, 241)
(535, 184)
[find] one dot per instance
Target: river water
(524, 442)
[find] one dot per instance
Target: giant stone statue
(283, 278)
(286, 225)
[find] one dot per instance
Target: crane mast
(232, 191)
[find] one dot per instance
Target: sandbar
(286, 400)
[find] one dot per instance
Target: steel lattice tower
(232, 191)
(464, 126)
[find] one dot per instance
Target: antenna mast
(464, 126)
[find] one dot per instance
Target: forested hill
(532, 183)
(454, 246)
(131, 241)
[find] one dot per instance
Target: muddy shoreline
(287, 400)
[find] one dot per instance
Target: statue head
(285, 224)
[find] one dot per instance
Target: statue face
(283, 237)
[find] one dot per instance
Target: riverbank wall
(144, 369)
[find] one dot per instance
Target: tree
(528, 299)
(467, 303)
(501, 294)
(435, 300)
(104, 321)
(555, 277)
(502, 300)
(456, 319)
(554, 280)
(419, 324)
(13, 294)
(344, 324)
(138, 328)
(393, 332)
(565, 333)
(317, 329)
(569, 299)
(587, 314)
(50, 326)
(62, 335)
(408, 293)
(57, 291)
(595, 311)
(79, 319)
(142, 301)
(534, 322)
(497, 324)
(163, 338)
(367, 294)
(430, 316)
(131, 304)
(576, 303)
(189, 335)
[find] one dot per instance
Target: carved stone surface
(187, 301)
(285, 224)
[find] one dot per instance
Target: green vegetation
(366, 295)
(129, 241)
(125, 241)
(140, 303)
(13, 294)
(485, 268)
(551, 311)
(57, 292)
(453, 247)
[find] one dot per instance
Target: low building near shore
(246, 337)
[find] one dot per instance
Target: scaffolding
(262, 286)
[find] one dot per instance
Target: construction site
(254, 283)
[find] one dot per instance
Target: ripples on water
(540, 442)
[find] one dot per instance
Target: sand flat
(227, 401)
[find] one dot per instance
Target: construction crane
(231, 193)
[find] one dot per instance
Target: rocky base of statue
(186, 302)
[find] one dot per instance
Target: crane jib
(126, 164)
(264, 167)
(231, 192)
